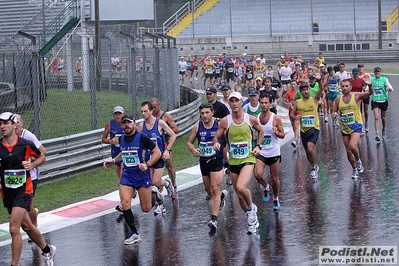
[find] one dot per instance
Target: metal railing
(84, 152)
(176, 17)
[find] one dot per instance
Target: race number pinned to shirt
(117, 136)
(14, 178)
(130, 158)
(308, 120)
(206, 149)
(348, 118)
(267, 141)
(239, 150)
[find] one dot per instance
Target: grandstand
(252, 17)
(27, 16)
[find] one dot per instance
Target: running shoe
(294, 144)
(169, 187)
(359, 166)
(213, 224)
(119, 207)
(276, 206)
(326, 119)
(159, 209)
(384, 135)
(156, 195)
(252, 220)
(377, 138)
(314, 171)
(49, 257)
(223, 195)
(251, 215)
(366, 127)
(133, 238)
(355, 173)
(266, 195)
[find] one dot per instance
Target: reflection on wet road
(334, 210)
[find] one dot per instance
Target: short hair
(155, 100)
(206, 105)
(269, 78)
(347, 80)
(265, 94)
(150, 107)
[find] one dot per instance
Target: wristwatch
(148, 165)
(169, 150)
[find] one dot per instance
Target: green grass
(65, 113)
(99, 182)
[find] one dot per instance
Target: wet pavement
(333, 210)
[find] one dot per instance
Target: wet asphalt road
(334, 210)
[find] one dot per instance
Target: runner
(270, 153)
(379, 102)
(17, 187)
(238, 129)
(136, 173)
(309, 123)
(211, 161)
(289, 103)
(182, 69)
(332, 92)
(253, 107)
(156, 129)
(366, 102)
(348, 105)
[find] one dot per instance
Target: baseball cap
(330, 68)
(258, 59)
(235, 94)
(80, 58)
(118, 109)
(8, 116)
(377, 69)
(259, 78)
(303, 85)
(128, 118)
(321, 65)
(252, 91)
(355, 70)
(225, 87)
(211, 90)
(360, 65)
(312, 77)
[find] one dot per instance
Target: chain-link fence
(57, 93)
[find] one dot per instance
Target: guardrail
(84, 152)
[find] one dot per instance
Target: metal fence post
(35, 95)
(93, 86)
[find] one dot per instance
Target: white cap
(258, 59)
(235, 94)
(321, 65)
(118, 109)
(8, 116)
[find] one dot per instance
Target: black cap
(303, 85)
(128, 118)
(355, 70)
(329, 68)
(211, 90)
(360, 65)
(312, 77)
(252, 91)
(377, 69)
(225, 87)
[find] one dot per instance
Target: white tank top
(270, 145)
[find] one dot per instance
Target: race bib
(308, 120)
(206, 149)
(267, 141)
(217, 71)
(14, 178)
(378, 91)
(209, 71)
(154, 140)
(286, 77)
(249, 76)
(230, 70)
(332, 88)
(239, 150)
(130, 158)
(183, 69)
(258, 73)
(348, 118)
